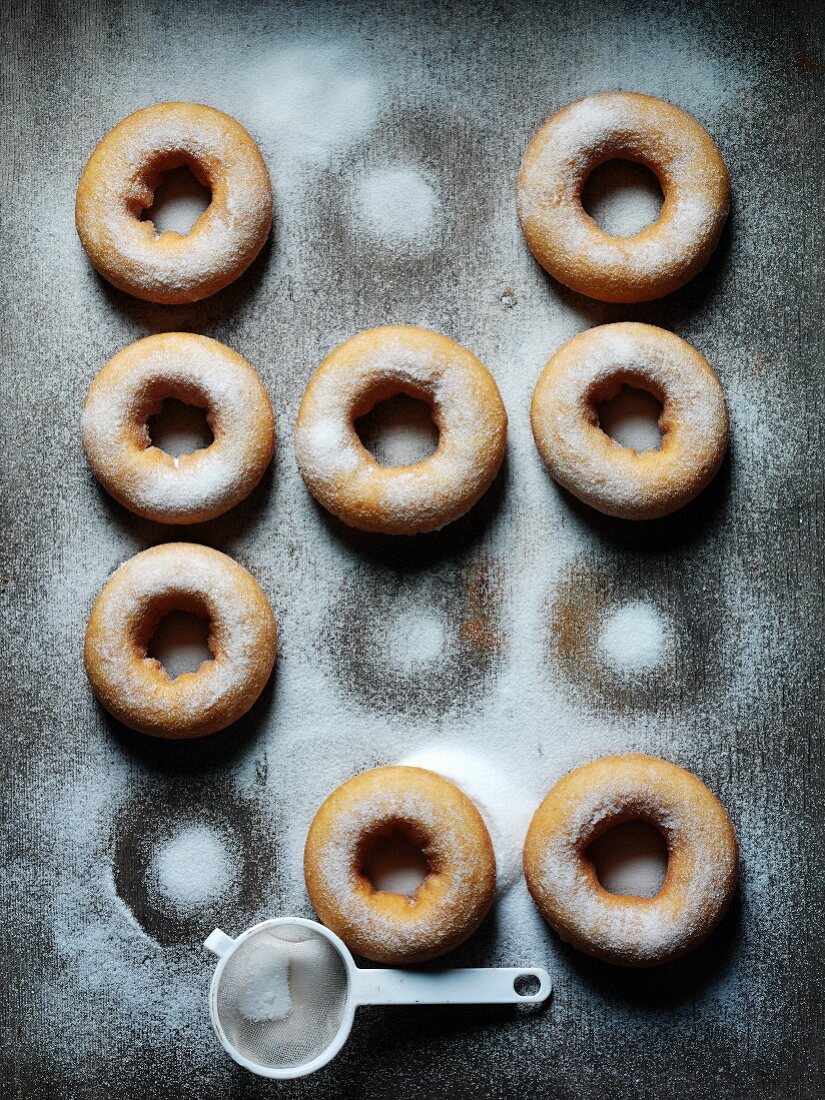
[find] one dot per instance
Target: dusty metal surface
(104, 985)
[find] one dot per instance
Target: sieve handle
(475, 985)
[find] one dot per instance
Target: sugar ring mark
(416, 643)
(118, 184)
(185, 854)
(569, 244)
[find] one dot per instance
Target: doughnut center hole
(631, 418)
(395, 865)
(179, 429)
(180, 643)
(399, 431)
(630, 859)
(622, 197)
(178, 202)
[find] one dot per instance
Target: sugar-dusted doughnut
(135, 688)
(622, 929)
(569, 244)
(435, 816)
(132, 387)
(401, 500)
(617, 480)
(118, 184)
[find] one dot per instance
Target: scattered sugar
(634, 638)
(631, 418)
(193, 867)
(529, 731)
(396, 205)
(178, 203)
(310, 102)
(505, 809)
(630, 859)
(415, 638)
(265, 994)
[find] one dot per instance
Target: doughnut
(569, 244)
(400, 500)
(617, 480)
(180, 576)
(132, 387)
(119, 182)
(619, 928)
(435, 816)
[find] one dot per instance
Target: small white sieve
(284, 993)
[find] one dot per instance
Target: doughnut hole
(631, 859)
(629, 411)
(178, 200)
(178, 636)
(398, 430)
(631, 418)
(393, 860)
(179, 428)
(622, 197)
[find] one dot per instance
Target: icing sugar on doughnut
(617, 480)
(629, 930)
(118, 184)
(455, 895)
(467, 410)
(134, 687)
(569, 244)
(192, 487)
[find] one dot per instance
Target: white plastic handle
(219, 943)
(475, 985)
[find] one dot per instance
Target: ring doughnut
(569, 244)
(180, 576)
(401, 500)
(617, 480)
(436, 817)
(118, 184)
(132, 387)
(621, 929)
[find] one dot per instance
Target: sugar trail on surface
(414, 638)
(634, 637)
(503, 806)
(193, 867)
(631, 418)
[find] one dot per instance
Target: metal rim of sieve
(347, 1016)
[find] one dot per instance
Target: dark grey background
(93, 1008)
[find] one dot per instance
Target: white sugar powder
(415, 638)
(311, 101)
(631, 418)
(395, 205)
(193, 867)
(505, 809)
(634, 638)
(264, 989)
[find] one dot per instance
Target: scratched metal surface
(458, 89)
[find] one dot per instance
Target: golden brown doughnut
(702, 860)
(180, 576)
(132, 387)
(436, 817)
(400, 500)
(569, 244)
(118, 184)
(617, 480)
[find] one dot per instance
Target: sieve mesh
(281, 997)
